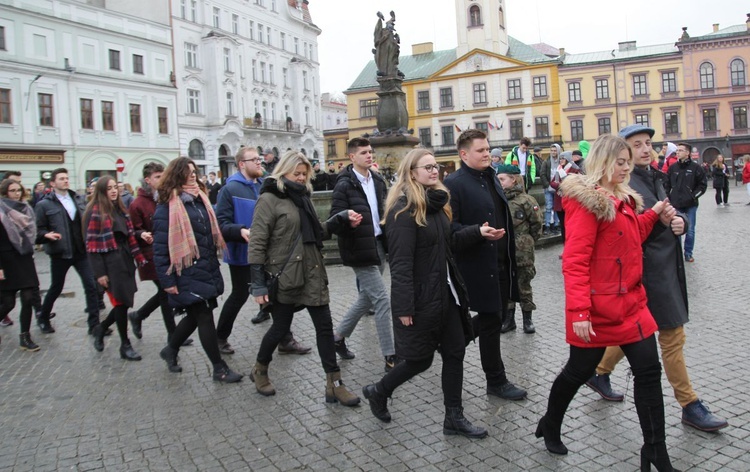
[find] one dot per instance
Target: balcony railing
(506, 145)
(272, 125)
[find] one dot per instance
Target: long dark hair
(99, 197)
(5, 185)
(174, 177)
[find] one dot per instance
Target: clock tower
(481, 25)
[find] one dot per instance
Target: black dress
(118, 265)
(19, 271)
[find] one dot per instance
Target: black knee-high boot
(649, 403)
(561, 394)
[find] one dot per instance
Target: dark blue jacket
(202, 281)
(234, 210)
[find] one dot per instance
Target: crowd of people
(454, 247)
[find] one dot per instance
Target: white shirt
(522, 161)
(368, 185)
(68, 203)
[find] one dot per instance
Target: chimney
(716, 27)
(627, 46)
(421, 48)
(562, 52)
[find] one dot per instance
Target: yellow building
(335, 147)
(491, 81)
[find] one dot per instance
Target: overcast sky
(579, 26)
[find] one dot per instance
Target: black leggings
(8, 302)
(119, 315)
(283, 314)
(198, 315)
(561, 217)
(159, 300)
(722, 192)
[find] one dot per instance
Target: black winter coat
(473, 204)
(51, 217)
(685, 183)
(720, 178)
(663, 264)
(202, 281)
(357, 246)
(420, 260)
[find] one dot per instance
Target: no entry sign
(120, 165)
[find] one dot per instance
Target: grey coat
(663, 265)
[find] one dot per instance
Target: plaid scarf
(18, 220)
(101, 238)
(183, 248)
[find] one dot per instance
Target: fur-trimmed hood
(594, 199)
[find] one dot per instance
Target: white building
(333, 108)
(84, 83)
(247, 75)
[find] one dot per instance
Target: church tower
(481, 25)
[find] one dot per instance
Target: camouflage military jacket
(527, 222)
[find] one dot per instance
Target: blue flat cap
(632, 130)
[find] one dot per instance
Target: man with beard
(234, 212)
(666, 288)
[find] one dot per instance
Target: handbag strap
(278, 274)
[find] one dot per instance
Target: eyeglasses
(15, 190)
(430, 167)
(254, 159)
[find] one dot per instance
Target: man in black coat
(363, 248)
(59, 228)
(666, 287)
(686, 182)
(213, 186)
(489, 268)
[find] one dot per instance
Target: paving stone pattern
(68, 407)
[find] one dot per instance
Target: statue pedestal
(389, 150)
(392, 113)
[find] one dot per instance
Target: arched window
(223, 152)
(303, 151)
(707, 76)
(315, 155)
(737, 68)
(501, 18)
(196, 151)
(475, 16)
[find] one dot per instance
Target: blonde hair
(600, 164)
(716, 162)
(746, 158)
(288, 164)
(414, 192)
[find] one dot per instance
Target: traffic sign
(120, 165)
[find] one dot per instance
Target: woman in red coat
(605, 302)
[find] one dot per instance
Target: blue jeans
(691, 213)
(550, 217)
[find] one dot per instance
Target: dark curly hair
(175, 176)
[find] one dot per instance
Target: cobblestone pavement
(68, 407)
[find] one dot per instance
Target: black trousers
(486, 327)
(200, 316)
(644, 361)
(561, 217)
(58, 270)
(722, 192)
(118, 315)
(283, 314)
(8, 302)
(159, 300)
(240, 276)
(451, 347)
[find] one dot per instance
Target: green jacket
(512, 159)
(527, 224)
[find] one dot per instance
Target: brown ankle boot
(263, 384)
(336, 391)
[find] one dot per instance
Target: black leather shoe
(98, 333)
(601, 385)
(456, 424)
(45, 326)
(262, 316)
(128, 353)
(551, 434)
(136, 324)
(507, 391)
(378, 403)
(170, 356)
(342, 350)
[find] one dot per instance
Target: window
(446, 97)
(668, 82)
(285, 74)
(273, 5)
(475, 16)
(737, 68)
(217, 17)
(307, 116)
(368, 108)
(161, 115)
(671, 123)
(423, 100)
(230, 104)
(707, 76)
(191, 55)
(271, 78)
(425, 136)
(516, 129)
(108, 116)
(602, 89)
(183, 9)
(296, 46)
(235, 24)
(114, 59)
(260, 33)
(255, 69)
(273, 111)
(46, 110)
(605, 126)
(642, 119)
(304, 80)
(576, 130)
(251, 30)
(480, 94)
(268, 35)
(639, 85)
(193, 9)
(195, 150)
(137, 64)
(483, 127)
(331, 147)
(5, 106)
(194, 101)
(540, 86)
(542, 126)
(282, 41)
(574, 92)
(740, 117)
(87, 113)
(2, 38)
(135, 118)
(227, 60)
(709, 119)
(514, 89)
(263, 72)
(447, 134)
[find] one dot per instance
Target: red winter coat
(141, 214)
(603, 265)
(746, 173)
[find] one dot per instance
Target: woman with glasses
(429, 302)
(17, 270)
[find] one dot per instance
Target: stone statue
(386, 47)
